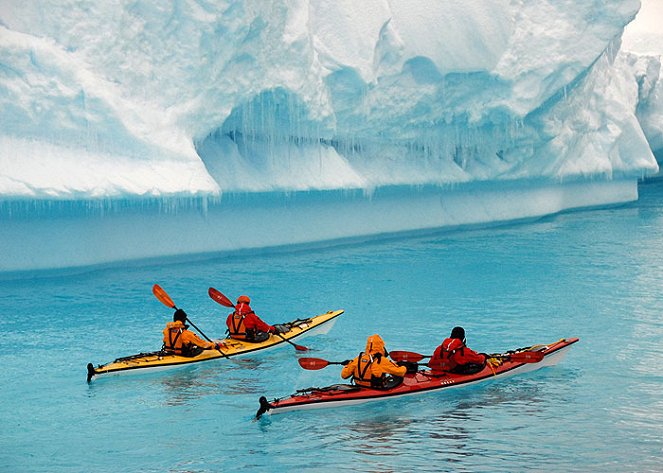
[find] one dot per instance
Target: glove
(346, 362)
(279, 328)
(494, 362)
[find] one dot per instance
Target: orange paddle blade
(163, 296)
(220, 298)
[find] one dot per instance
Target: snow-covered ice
(312, 120)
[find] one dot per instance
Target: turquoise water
(595, 274)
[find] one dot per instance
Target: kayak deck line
(415, 383)
(156, 360)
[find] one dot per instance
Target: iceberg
(641, 59)
(135, 130)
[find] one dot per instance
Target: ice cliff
(101, 101)
(116, 98)
(640, 59)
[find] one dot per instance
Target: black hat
(179, 315)
(458, 332)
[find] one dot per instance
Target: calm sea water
(595, 274)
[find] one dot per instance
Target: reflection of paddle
(218, 297)
(519, 357)
(165, 299)
(318, 363)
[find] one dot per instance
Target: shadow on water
(452, 422)
(183, 385)
(402, 434)
(188, 386)
(229, 378)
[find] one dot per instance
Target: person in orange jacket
(373, 368)
(181, 341)
(453, 356)
(244, 324)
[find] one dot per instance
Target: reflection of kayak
(320, 324)
(420, 382)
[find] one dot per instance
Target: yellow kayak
(320, 324)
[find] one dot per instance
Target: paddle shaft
(297, 347)
(204, 336)
(165, 299)
(199, 331)
(518, 357)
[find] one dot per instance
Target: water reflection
(228, 377)
(590, 274)
(376, 436)
(188, 385)
(451, 424)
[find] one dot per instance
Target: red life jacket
(445, 354)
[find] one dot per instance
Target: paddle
(317, 363)
(397, 355)
(519, 357)
(218, 297)
(165, 299)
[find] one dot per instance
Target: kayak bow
(320, 324)
(415, 383)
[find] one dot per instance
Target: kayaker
(244, 324)
(373, 368)
(453, 355)
(181, 341)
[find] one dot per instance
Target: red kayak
(528, 359)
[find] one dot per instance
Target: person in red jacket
(244, 324)
(453, 356)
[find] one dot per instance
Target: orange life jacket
(236, 328)
(172, 337)
(236, 324)
(370, 372)
(363, 375)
